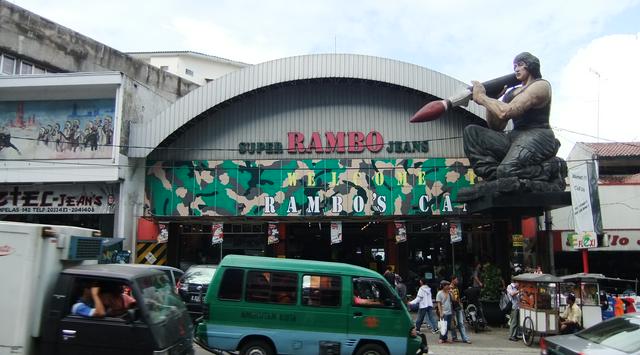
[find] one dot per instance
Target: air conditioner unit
(77, 248)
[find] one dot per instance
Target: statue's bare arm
(499, 113)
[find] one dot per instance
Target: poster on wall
(401, 232)
(273, 235)
(217, 234)
(336, 232)
(61, 129)
(163, 234)
(59, 199)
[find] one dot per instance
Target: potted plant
(490, 295)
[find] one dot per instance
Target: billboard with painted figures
(63, 129)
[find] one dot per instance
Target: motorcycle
(473, 314)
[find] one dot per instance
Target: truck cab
(45, 272)
(156, 323)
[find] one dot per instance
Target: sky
(589, 49)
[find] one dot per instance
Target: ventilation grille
(85, 248)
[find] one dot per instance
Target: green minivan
(260, 305)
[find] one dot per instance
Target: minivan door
(376, 311)
(102, 336)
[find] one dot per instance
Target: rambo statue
(522, 160)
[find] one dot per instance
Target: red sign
(340, 142)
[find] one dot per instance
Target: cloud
(596, 93)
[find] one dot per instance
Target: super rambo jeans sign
(324, 187)
(339, 142)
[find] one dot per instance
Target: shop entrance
(362, 244)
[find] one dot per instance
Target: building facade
(193, 66)
(303, 146)
(618, 166)
(66, 105)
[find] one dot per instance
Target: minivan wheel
(372, 349)
(256, 347)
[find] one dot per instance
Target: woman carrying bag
(443, 299)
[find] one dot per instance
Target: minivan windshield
(619, 333)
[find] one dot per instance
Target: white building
(196, 67)
(618, 166)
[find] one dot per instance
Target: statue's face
(520, 68)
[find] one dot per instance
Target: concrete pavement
(491, 341)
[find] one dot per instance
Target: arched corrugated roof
(308, 67)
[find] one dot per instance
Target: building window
(8, 64)
(26, 68)
(188, 72)
(38, 70)
(164, 67)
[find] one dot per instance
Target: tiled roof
(618, 149)
(619, 179)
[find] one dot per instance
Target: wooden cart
(539, 306)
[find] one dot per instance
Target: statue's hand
(478, 91)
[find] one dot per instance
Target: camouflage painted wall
(283, 188)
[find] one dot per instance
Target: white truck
(43, 269)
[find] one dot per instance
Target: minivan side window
(373, 293)
(321, 290)
(271, 287)
(231, 285)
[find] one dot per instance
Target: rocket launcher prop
(434, 109)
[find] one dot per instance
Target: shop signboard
(57, 129)
(619, 240)
(584, 240)
(58, 199)
(517, 240)
(294, 188)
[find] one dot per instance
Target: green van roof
(268, 263)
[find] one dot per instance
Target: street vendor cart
(586, 288)
(539, 307)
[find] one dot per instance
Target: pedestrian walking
(425, 307)
(443, 298)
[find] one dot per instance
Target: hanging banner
(163, 235)
(336, 232)
(273, 235)
(585, 201)
(401, 232)
(217, 233)
(455, 231)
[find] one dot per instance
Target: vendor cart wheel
(527, 331)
